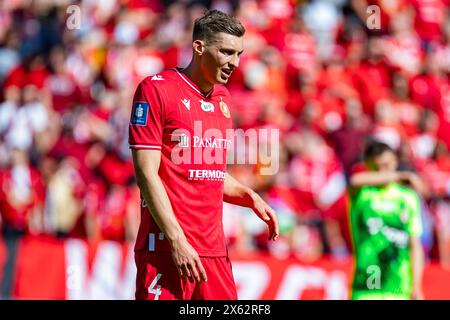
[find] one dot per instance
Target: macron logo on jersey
(156, 77)
(139, 113)
(187, 103)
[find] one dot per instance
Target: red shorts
(158, 279)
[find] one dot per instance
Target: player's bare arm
(417, 265)
(146, 165)
(238, 194)
(382, 171)
(379, 178)
(375, 178)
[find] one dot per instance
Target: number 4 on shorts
(156, 291)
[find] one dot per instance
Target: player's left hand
(267, 214)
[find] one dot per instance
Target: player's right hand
(187, 261)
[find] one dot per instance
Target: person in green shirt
(385, 226)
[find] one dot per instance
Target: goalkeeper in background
(386, 227)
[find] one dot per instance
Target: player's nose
(234, 62)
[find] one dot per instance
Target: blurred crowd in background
(312, 69)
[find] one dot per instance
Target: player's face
(387, 161)
(221, 57)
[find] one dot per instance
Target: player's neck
(195, 75)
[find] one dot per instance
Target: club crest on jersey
(224, 109)
(139, 113)
(207, 106)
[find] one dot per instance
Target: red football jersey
(429, 17)
(193, 132)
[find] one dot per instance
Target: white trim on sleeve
(145, 146)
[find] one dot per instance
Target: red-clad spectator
(64, 90)
(403, 48)
(336, 77)
(440, 50)
(318, 184)
(70, 144)
(102, 146)
(387, 126)
(21, 195)
(429, 17)
(436, 171)
(25, 120)
(444, 112)
(115, 170)
(117, 216)
(332, 111)
(372, 76)
(299, 50)
(311, 171)
(119, 67)
(278, 14)
(154, 6)
(424, 143)
(408, 112)
(303, 97)
(441, 210)
(425, 87)
(431, 90)
(31, 72)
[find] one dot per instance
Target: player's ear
(199, 47)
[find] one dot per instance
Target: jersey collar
(192, 85)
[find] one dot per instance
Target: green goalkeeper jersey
(383, 219)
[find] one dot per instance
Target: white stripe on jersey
(187, 81)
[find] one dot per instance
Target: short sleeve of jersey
(147, 118)
(415, 222)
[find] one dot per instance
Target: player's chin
(221, 79)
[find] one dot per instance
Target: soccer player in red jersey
(180, 251)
